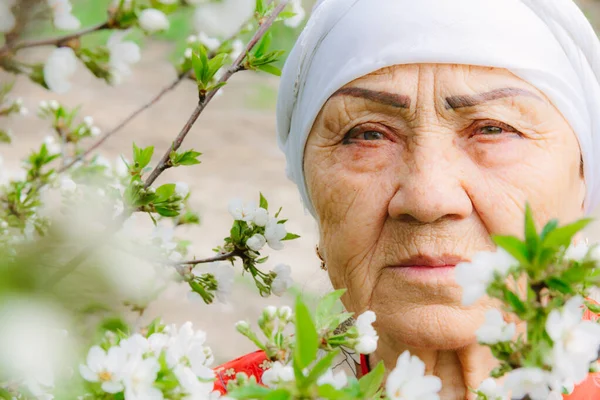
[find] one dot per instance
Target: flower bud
(153, 20)
(285, 313)
(270, 312)
(242, 327)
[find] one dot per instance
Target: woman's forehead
(444, 77)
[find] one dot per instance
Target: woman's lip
(425, 261)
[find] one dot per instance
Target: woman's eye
(494, 128)
(371, 135)
(491, 130)
(363, 135)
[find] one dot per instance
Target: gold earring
(323, 265)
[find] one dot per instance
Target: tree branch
(221, 257)
(56, 41)
(164, 162)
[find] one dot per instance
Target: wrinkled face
(412, 168)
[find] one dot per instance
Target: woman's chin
(431, 326)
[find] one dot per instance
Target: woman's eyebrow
(455, 102)
(385, 98)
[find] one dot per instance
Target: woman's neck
(459, 370)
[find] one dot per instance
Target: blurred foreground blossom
(408, 381)
(153, 20)
(34, 344)
(474, 277)
(59, 68)
(62, 15)
(224, 18)
(122, 55)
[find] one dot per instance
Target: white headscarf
(548, 43)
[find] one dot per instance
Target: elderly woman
(414, 130)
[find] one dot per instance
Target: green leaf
(270, 69)
(549, 227)
(263, 45)
(141, 156)
(559, 285)
(514, 247)
(279, 394)
(290, 236)
(331, 393)
(263, 202)
(562, 237)
(307, 339)
(236, 231)
(250, 391)
(531, 236)
(320, 368)
(593, 307)
(164, 192)
(5, 136)
(215, 65)
(325, 306)
(166, 212)
(200, 64)
(371, 382)
(514, 302)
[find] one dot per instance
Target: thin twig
(121, 125)
(164, 162)
(221, 257)
(56, 41)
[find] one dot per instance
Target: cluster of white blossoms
(474, 277)
(62, 63)
(407, 381)
(575, 342)
(367, 336)
(132, 367)
(274, 230)
(224, 275)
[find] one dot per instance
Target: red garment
(255, 364)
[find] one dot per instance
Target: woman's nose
(431, 186)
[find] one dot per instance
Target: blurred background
(237, 137)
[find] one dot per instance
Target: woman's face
(412, 168)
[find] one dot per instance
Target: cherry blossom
(139, 377)
(211, 43)
(283, 281)
(182, 189)
(495, 329)
(256, 242)
(105, 367)
(337, 380)
(187, 348)
(63, 17)
(476, 276)
(274, 233)
(58, 69)
(528, 381)
(492, 390)
(241, 211)
(277, 374)
(261, 217)
(367, 336)
(224, 18)
(153, 20)
(122, 55)
(223, 273)
(576, 342)
(195, 389)
(299, 16)
(407, 381)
